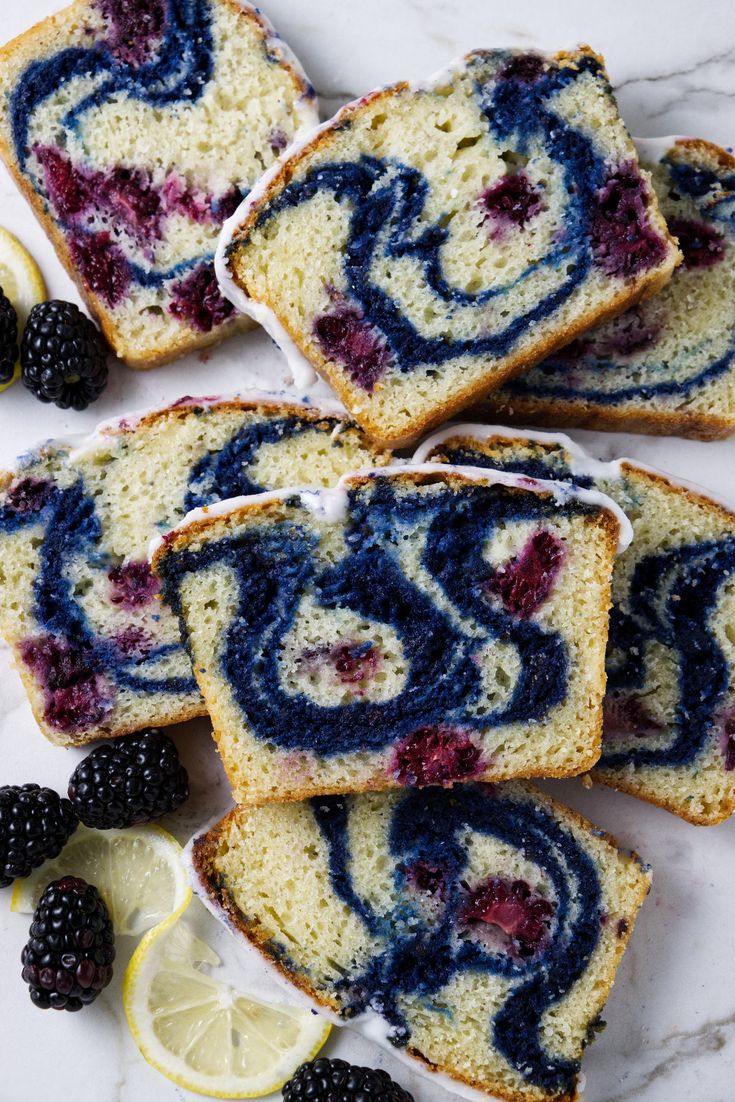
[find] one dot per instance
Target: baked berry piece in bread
(429, 242)
(417, 627)
(668, 365)
(479, 929)
(669, 710)
(135, 127)
(99, 653)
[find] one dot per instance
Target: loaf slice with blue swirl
(134, 130)
(669, 710)
(668, 365)
(478, 930)
(412, 627)
(429, 242)
(99, 653)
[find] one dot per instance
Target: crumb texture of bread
(134, 131)
(435, 631)
(669, 709)
(668, 365)
(432, 241)
(484, 924)
(99, 653)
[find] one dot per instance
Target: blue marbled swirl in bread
(668, 365)
(430, 241)
(669, 710)
(409, 628)
(134, 128)
(482, 925)
(99, 653)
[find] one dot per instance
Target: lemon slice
(138, 873)
(21, 281)
(202, 1033)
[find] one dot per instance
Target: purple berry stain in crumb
(623, 242)
(524, 583)
(351, 663)
(346, 337)
(436, 755)
(626, 714)
(622, 927)
(426, 879)
(515, 918)
(701, 245)
(29, 496)
(196, 299)
(629, 335)
(132, 584)
(77, 696)
(524, 68)
(727, 740)
(278, 140)
(132, 643)
(102, 265)
(354, 662)
(512, 201)
(134, 28)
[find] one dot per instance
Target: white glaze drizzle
(330, 506)
(582, 462)
(129, 422)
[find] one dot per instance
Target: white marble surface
(671, 1016)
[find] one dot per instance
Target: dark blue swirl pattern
(277, 563)
(73, 532)
(591, 375)
(420, 958)
(387, 199)
(669, 600)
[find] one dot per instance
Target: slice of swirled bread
(134, 130)
(668, 365)
(429, 242)
(99, 653)
(669, 710)
(479, 929)
(413, 627)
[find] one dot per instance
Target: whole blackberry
(63, 356)
(68, 958)
(8, 339)
(324, 1080)
(35, 824)
(131, 779)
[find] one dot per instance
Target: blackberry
(63, 356)
(68, 958)
(324, 1080)
(129, 780)
(35, 824)
(8, 339)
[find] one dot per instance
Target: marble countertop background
(671, 1016)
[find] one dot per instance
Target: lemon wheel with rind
(138, 872)
(203, 1034)
(22, 283)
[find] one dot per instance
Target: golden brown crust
(620, 783)
(692, 424)
(186, 406)
(204, 852)
(186, 341)
(705, 150)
